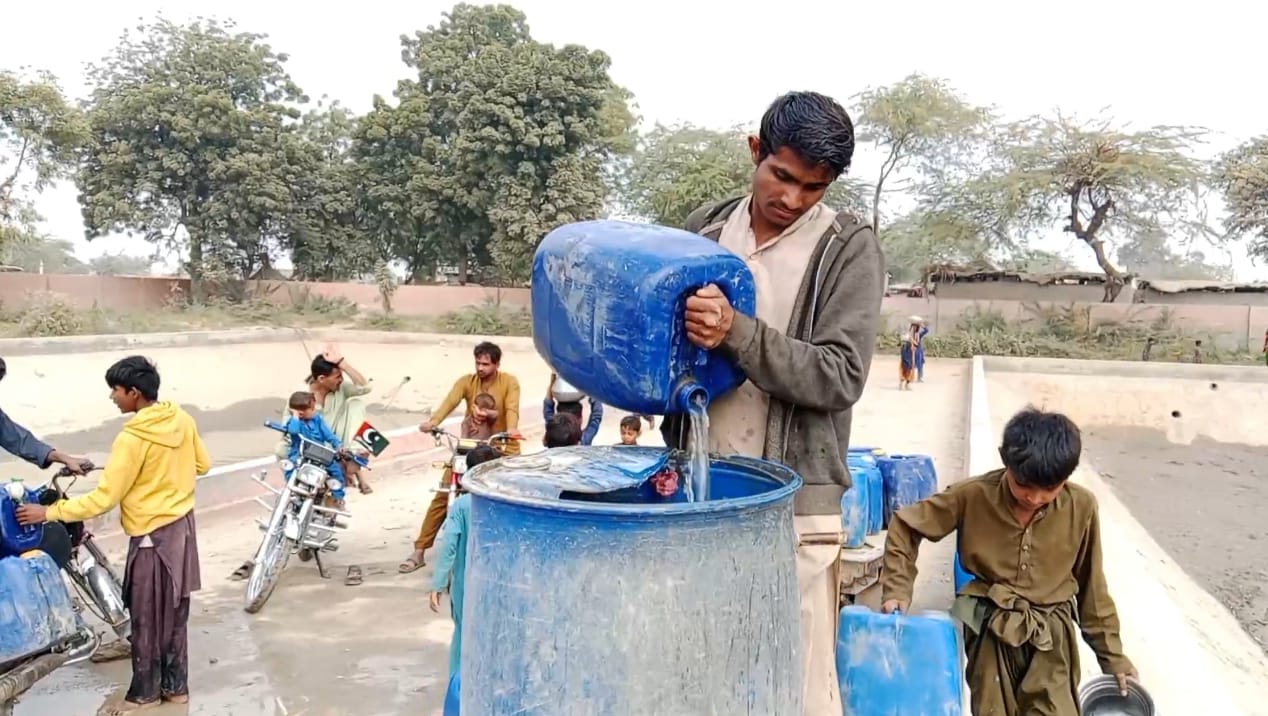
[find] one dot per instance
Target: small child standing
(631, 428)
(306, 422)
(478, 424)
(1032, 542)
(562, 430)
(451, 571)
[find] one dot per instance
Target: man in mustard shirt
(150, 475)
(505, 389)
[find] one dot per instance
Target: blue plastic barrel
(898, 665)
(863, 468)
(35, 608)
(908, 480)
(580, 605)
(856, 508)
(452, 701)
(608, 302)
(14, 538)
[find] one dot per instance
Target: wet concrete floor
(318, 648)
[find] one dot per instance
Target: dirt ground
(1204, 503)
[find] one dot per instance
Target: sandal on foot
(241, 573)
(354, 577)
(411, 564)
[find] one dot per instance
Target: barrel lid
(547, 475)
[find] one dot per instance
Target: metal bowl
(1099, 696)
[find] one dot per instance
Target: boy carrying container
(450, 574)
(1032, 540)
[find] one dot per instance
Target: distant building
(986, 283)
(1208, 293)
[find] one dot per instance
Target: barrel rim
(792, 482)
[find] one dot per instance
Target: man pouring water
(808, 349)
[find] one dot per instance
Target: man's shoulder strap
(846, 225)
(709, 218)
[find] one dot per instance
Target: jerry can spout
(690, 396)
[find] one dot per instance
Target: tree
(1038, 261)
(1147, 255)
(324, 232)
(495, 141)
(39, 134)
(922, 238)
(190, 132)
(1093, 180)
(1242, 175)
(120, 264)
(681, 168)
(42, 254)
(919, 123)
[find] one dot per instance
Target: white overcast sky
(720, 63)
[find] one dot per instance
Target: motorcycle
(300, 521)
(99, 586)
(455, 466)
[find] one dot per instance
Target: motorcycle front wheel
(267, 570)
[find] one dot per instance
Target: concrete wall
(1202, 298)
(1025, 291)
(1230, 326)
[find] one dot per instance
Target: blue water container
(856, 508)
(14, 538)
(580, 601)
(35, 608)
(865, 453)
(908, 480)
(899, 665)
(453, 703)
(608, 302)
(863, 468)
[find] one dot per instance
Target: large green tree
(191, 133)
(1092, 179)
(918, 127)
(1242, 175)
(677, 169)
(42, 254)
(497, 139)
(1147, 254)
(40, 132)
(325, 232)
(120, 264)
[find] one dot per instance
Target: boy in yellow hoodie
(150, 474)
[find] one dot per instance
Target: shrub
(48, 314)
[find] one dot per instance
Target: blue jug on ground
(898, 664)
(608, 301)
(856, 508)
(908, 480)
(863, 469)
(36, 612)
(14, 538)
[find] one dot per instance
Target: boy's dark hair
(484, 400)
(322, 367)
(633, 422)
(135, 372)
(570, 407)
(482, 453)
(1041, 449)
(302, 400)
(488, 350)
(4, 369)
(813, 125)
(562, 430)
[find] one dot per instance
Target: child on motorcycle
(451, 571)
(307, 423)
(478, 424)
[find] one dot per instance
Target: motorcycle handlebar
(362, 461)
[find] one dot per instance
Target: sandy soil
(1204, 503)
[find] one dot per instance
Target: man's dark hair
(632, 422)
(4, 369)
(135, 372)
(1041, 449)
(302, 400)
(482, 453)
(488, 350)
(322, 367)
(571, 407)
(813, 125)
(563, 430)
